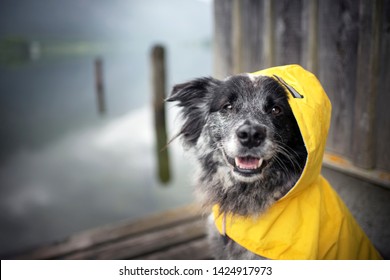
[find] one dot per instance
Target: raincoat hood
(310, 221)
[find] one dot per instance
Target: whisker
(286, 147)
(294, 162)
(280, 163)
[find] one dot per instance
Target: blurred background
(65, 166)
(84, 126)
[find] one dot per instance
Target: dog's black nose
(251, 135)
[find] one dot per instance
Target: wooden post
(158, 85)
(101, 103)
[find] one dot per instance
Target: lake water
(63, 166)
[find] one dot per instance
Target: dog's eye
(227, 107)
(276, 110)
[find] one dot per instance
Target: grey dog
(247, 143)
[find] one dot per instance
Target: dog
(251, 154)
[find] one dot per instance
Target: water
(63, 166)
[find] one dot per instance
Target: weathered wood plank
(383, 98)
(309, 36)
(337, 49)
(148, 242)
(223, 58)
(288, 31)
(110, 233)
(363, 144)
(194, 250)
(339, 163)
(252, 39)
(237, 36)
(269, 34)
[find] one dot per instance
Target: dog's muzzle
(251, 135)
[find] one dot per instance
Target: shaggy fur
(247, 143)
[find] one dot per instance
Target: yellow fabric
(310, 221)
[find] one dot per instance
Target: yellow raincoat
(310, 221)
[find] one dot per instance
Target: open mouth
(247, 165)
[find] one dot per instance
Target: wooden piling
(99, 85)
(158, 86)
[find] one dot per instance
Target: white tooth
(260, 163)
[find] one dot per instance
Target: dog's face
(243, 131)
(251, 121)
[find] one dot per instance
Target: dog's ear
(193, 92)
(194, 99)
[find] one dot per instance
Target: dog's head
(242, 126)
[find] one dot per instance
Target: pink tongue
(247, 162)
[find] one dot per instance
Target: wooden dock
(175, 234)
